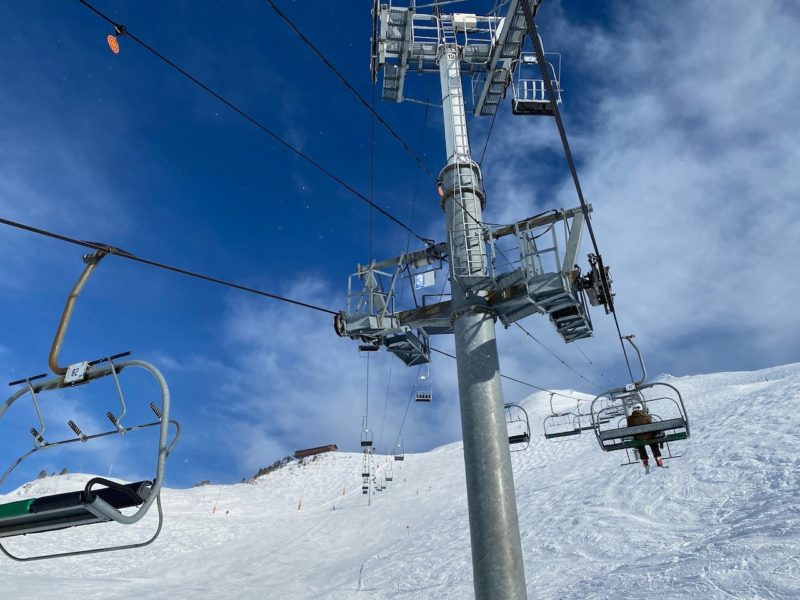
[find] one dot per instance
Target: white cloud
(688, 154)
(289, 382)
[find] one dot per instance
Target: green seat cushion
(15, 509)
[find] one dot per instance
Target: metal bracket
(473, 309)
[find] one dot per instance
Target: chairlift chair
(423, 389)
(365, 468)
(529, 93)
(559, 425)
(519, 427)
(366, 437)
(101, 500)
(398, 450)
(662, 401)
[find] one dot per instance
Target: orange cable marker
(113, 43)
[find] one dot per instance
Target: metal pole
(497, 565)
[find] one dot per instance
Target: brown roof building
(317, 450)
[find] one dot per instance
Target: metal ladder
(448, 32)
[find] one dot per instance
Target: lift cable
(350, 87)
(533, 32)
(488, 137)
(386, 401)
(525, 383)
(589, 360)
(366, 410)
(152, 263)
(556, 356)
(414, 198)
(371, 195)
(408, 405)
(123, 30)
(497, 6)
(372, 174)
(408, 245)
(416, 178)
(436, 5)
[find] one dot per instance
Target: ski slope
(722, 522)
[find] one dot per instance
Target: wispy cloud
(289, 382)
(686, 149)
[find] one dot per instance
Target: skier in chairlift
(639, 417)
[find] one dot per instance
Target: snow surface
(721, 522)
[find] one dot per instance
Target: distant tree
(42, 474)
(64, 471)
(273, 467)
(202, 483)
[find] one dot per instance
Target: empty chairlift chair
(366, 440)
(529, 92)
(366, 437)
(398, 451)
(100, 500)
(365, 474)
(519, 427)
(559, 425)
(423, 389)
(365, 468)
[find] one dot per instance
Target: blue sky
(683, 121)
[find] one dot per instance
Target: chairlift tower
(498, 570)
(540, 280)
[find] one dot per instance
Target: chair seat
(60, 511)
(655, 427)
(628, 443)
(519, 439)
(566, 433)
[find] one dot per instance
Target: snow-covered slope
(722, 522)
